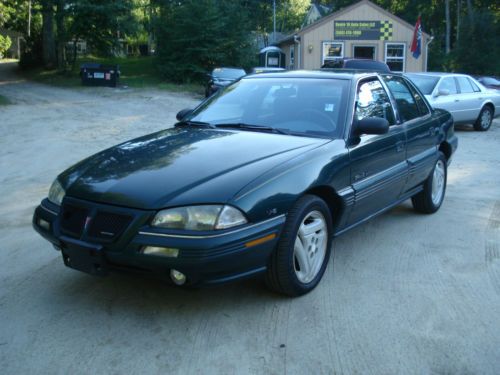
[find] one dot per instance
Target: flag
(416, 44)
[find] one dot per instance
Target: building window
(292, 56)
(331, 51)
(395, 55)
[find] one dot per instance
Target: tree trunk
(470, 11)
(448, 26)
(49, 50)
(61, 36)
(459, 9)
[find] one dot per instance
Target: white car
(464, 97)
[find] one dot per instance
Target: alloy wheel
(310, 247)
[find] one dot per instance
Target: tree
(195, 36)
(5, 44)
(480, 36)
(448, 25)
(49, 47)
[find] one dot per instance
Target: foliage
(136, 72)
(31, 55)
(195, 36)
(5, 44)
(101, 23)
(4, 100)
(480, 35)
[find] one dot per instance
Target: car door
(470, 101)
(422, 129)
(378, 162)
(449, 101)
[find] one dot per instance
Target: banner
(362, 30)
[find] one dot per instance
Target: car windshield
(425, 83)
(225, 73)
(297, 106)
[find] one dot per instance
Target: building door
(364, 52)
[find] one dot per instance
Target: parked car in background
(258, 179)
(359, 64)
(222, 77)
(490, 82)
(466, 99)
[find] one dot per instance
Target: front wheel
(430, 199)
(301, 256)
(484, 120)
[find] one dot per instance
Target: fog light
(44, 224)
(177, 277)
(161, 251)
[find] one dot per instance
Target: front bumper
(205, 258)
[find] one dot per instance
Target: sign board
(362, 30)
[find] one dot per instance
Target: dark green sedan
(258, 179)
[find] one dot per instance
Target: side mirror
(372, 125)
(183, 113)
(442, 92)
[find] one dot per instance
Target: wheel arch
(492, 107)
(446, 149)
(332, 200)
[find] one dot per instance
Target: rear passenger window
(465, 86)
(373, 101)
(448, 83)
(405, 101)
(474, 86)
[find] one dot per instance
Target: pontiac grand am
(257, 179)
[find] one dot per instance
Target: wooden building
(362, 30)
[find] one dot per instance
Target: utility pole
(274, 21)
(29, 17)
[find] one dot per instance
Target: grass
(4, 100)
(137, 72)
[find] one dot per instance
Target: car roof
(323, 73)
(437, 74)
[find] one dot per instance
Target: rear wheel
(301, 256)
(430, 199)
(484, 120)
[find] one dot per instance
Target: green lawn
(137, 72)
(4, 100)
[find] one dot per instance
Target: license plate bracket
(84, 257)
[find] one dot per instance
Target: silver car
(466, 99)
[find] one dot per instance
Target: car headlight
(56, 193)
(206, 217)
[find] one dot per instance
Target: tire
(483, 122)
(429, 200)
(302, 253)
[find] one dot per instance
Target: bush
(5, 44)
(198, 35)
(32, 55)
(478, 51)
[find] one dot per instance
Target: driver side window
(373, 101)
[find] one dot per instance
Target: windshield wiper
(241, 125)
(194, 123)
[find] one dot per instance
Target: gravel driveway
(405, 294)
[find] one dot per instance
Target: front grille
(73, 220)
(107, 225)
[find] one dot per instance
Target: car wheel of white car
(484, 120)
(430, 199)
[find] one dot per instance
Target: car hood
(180, 166)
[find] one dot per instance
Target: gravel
(404, 293)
